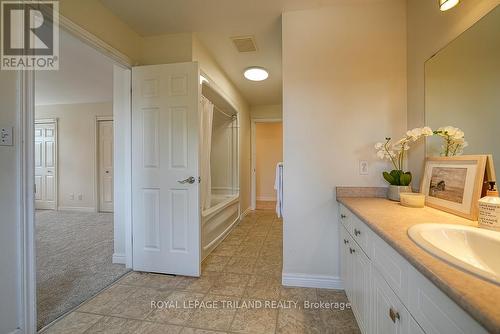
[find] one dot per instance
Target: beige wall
(270, 111)
(429, 30)
(344, 88)
(94, 17)
(168, 48)
(77, 151)
(268, 151)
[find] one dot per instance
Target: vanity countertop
(390, 221)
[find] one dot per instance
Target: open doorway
(267, 154)
(74, 186)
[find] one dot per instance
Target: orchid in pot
(453, 141)
(399, 180)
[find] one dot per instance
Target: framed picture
(454, 184)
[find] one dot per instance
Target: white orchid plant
(396, 153)
(454, 141)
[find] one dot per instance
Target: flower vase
(394, 191)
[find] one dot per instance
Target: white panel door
(165, 183)
(45, 165)
(106, 170)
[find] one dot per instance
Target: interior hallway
(246, 266)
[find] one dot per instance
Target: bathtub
(217, 221)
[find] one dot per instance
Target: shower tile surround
(477, 297)
(245, 267)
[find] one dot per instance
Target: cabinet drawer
(389, 316)
(361, 234)
(392, 266)
(435, 312)
(345, 217)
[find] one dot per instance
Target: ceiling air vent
(245, 43)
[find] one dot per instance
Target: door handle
(189, 180)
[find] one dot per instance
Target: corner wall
(344, 88)
(429, 30)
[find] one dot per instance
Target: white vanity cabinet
(388, 295)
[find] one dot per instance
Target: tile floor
(238, 292)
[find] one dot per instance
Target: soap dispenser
(489, 209)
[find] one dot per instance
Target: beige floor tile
(198, 284)
(292, 321)
(339, 321)
(138, 304)
(255, 321)
(73, 323)
(180, 314)
(215, 262)
(248, 250)
(329, 295)
(240, 265)
(188, 330)
(225, 249)
(268, 269)
(104, 302)
(229, 284)
(217, 318)
(150, 280)
(298, 294)
(112, 325)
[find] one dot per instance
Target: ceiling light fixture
(444, 5)
(255, 73)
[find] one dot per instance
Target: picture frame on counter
(455, 184)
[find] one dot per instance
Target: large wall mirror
(462, 89)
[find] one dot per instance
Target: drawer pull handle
(357, 232)
(346, 242)
(394, 315)
(343, 216)
(351, 250)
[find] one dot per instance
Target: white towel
(278, 186)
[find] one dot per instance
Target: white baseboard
(246, 212)
(76, 208)
(266, 198)
(17, 331)
(119, 258)
(312, 281)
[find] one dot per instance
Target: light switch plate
(6, 136)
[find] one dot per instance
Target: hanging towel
(278, 186)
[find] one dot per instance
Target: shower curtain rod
(217, 108)
(230, 116)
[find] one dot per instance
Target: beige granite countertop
(390, 220)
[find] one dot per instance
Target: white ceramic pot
(394, 191)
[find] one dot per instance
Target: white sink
(469, 248)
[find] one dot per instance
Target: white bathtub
(218, 221)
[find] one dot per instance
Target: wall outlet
(363, 167)
(6, 136)
(80, 197)
(72, 196)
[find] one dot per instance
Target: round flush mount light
(255, 73)
(444, 5)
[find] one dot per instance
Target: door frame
(97, 180)
(25, 181)
(54, 121)
(254, 121)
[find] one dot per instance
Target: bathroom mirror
(462, 89)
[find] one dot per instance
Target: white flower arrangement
(396, 153)
(454, 141)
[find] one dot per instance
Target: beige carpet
(74, 260)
